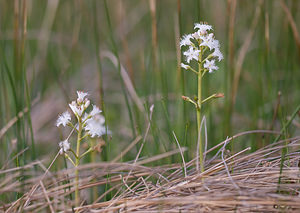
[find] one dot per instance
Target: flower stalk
(204, 49)
(87, 125)
(199, 114)
(77, 200)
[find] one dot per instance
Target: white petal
(203, 28)
(184, 66)
(77, 109)
(186, 40)
(81, 95)
(95, 111)
(217, 53)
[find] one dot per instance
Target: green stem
(70, 159)
(286, 125)
(77, 200)
(218, 95)
(194, 71)
(199, 113)
(190, 100)
(88, 151)
(71, 150)
(83, 137)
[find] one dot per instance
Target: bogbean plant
(202, 47)
(86, 124)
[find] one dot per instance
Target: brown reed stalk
(152, 4)
(292, 24)
(243, 51)
(16, 36)
(232, 13)
(177, 42)
(122, 19)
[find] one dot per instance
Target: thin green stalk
(67, 181)
(77, 200)
(198, 108)
(169, 124)
(284, 153)
(287, 124)
(27, 90)
(184, 115)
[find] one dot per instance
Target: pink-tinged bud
(219, 95)
(184, 98)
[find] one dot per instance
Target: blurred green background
(50, 49)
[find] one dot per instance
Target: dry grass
(239, 182)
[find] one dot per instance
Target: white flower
(63, 119)
(77, 109)
(81, 96)
(203, 28)
(196, 35)
(184, 66)
(217, 53)
(186, 40)
(210, 65)
(64, 146)
(209, 41)
(191, 54)
(216, 44)
(95, 126)
(95, 111)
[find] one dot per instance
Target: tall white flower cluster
(202, 47)
(91, 123)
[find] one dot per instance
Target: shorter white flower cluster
(92, 123)
(198, 43)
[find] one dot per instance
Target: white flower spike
(89, 123)
(202, 42)
(63, 119)
(205, 49)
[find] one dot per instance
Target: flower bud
(219, 95)
(87, 103)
